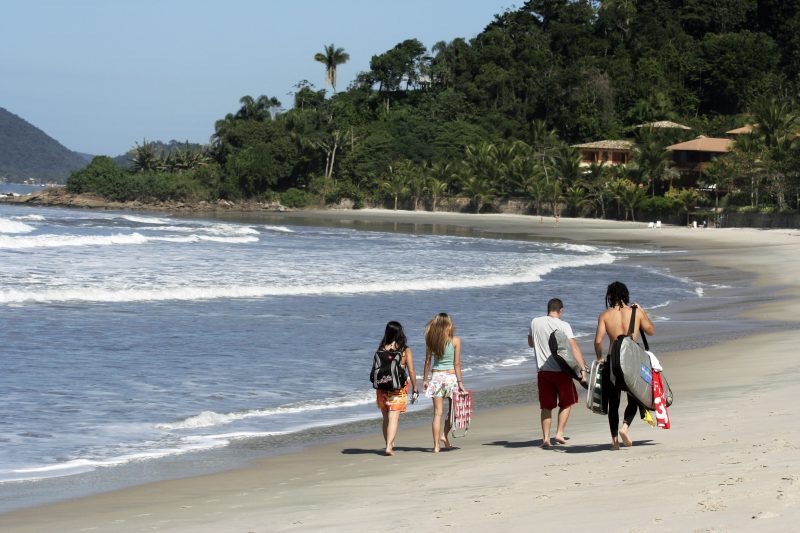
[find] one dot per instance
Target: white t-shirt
(541, 328)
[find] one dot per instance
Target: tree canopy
(500, 110)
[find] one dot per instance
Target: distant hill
(28, 153)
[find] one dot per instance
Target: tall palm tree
(437, 189)
(331, 57)
(652, 160)
(778, 122)
(568, 165)
(535, 186)
(479, 189)
(396, 185)
(576, 197)
(440, 176)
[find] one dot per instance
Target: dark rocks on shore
(59, 197)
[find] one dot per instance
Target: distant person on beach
(555, 385)
(393, 402)
(612, 323)
(443, 365)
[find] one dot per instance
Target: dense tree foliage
(493, 117)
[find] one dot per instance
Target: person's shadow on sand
(564, 448)
(367, 451)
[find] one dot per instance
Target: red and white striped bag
(660, 402)
(461, 412)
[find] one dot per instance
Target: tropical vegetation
(470, 124)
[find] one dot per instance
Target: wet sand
(731, 461)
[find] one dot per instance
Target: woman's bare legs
(436, 423)
(447, 428)
(390, 420)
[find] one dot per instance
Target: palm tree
(257, 108)
(396, 185)
(536, 187)
(777, 124)
(145, 157)
(437, 189)
(576, 197)
(568, 164)
(479, 189)
(748, 151)
(596, 181)
(629, 195)
(413, 176)
(332, 57)
(652, 160)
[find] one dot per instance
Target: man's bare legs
(563, 416)
(547, 420)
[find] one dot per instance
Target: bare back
(614, 322)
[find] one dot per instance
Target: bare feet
(561, 440)
(546, 444)
(436, 449)
(614, 446)
(388, 452)
(626, 440)
(446, 443)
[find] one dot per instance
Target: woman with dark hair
(393, 402)
(612, 323)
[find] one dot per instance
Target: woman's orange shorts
(392, 400)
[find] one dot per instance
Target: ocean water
(132, 337)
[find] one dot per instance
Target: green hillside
(28, 153)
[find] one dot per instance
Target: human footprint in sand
(555, 386)
(612, 323)
(443, 361)
(393, 402)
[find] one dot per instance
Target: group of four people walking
(442, 372)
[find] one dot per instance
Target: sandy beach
(730, 463)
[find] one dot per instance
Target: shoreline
(719, 248)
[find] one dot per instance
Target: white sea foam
(101, 294)
(79, 466)
(507, 362)
(57, 241)
(280, 229)
(210, 418)
(35, 218)
(585, 248)
(13, 226)
(699, 291)
(146, 220)
(229, 229)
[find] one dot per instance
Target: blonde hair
(438, 332)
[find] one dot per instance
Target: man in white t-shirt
(555, 385)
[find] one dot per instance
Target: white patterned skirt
(442, 385)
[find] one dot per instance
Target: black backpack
(387, 374)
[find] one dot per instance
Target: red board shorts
(556, 388)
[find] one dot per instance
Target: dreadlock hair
(617, 295)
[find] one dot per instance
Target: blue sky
(100, 75)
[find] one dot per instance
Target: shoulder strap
(641, 332)
(633, 321)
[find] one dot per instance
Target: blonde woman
(443, 365)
